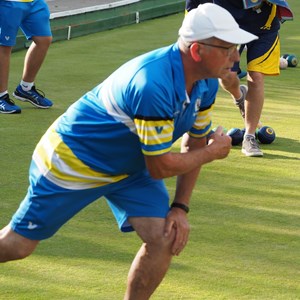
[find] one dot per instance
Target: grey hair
(188, 44)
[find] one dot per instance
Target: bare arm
(217, 148)
(174, 164)
(177, 218)
(186, 182)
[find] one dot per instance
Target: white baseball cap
(211, 20)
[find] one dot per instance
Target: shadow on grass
(281, 144)
(114, 246)
(284, 145)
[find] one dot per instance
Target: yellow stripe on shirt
(202, 121)
(57, 162)
(154, 132)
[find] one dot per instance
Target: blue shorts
(32, 17)
(47, 207)
(263, 54)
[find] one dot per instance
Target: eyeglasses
(230, 50)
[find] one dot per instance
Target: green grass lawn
(245, 213)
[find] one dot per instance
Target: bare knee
(13, 246)
(151, 231)
(256, 78)
(42, 41)
(152, 260)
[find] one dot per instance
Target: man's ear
(196, 50)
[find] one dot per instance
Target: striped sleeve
(203, 122)
(155, 134)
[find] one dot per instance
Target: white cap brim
(238, 36)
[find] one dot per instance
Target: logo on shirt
(159, 129)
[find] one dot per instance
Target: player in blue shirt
(116, 142)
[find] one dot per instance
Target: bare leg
(35, 57)
(14, 246)
(5, 53)
(254, 98)
(152, 260)
(231, 84)
(254, 101)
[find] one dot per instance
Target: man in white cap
(263, 19)
(116, 142)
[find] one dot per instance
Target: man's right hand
(219, 143)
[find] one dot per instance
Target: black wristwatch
(180, 205)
